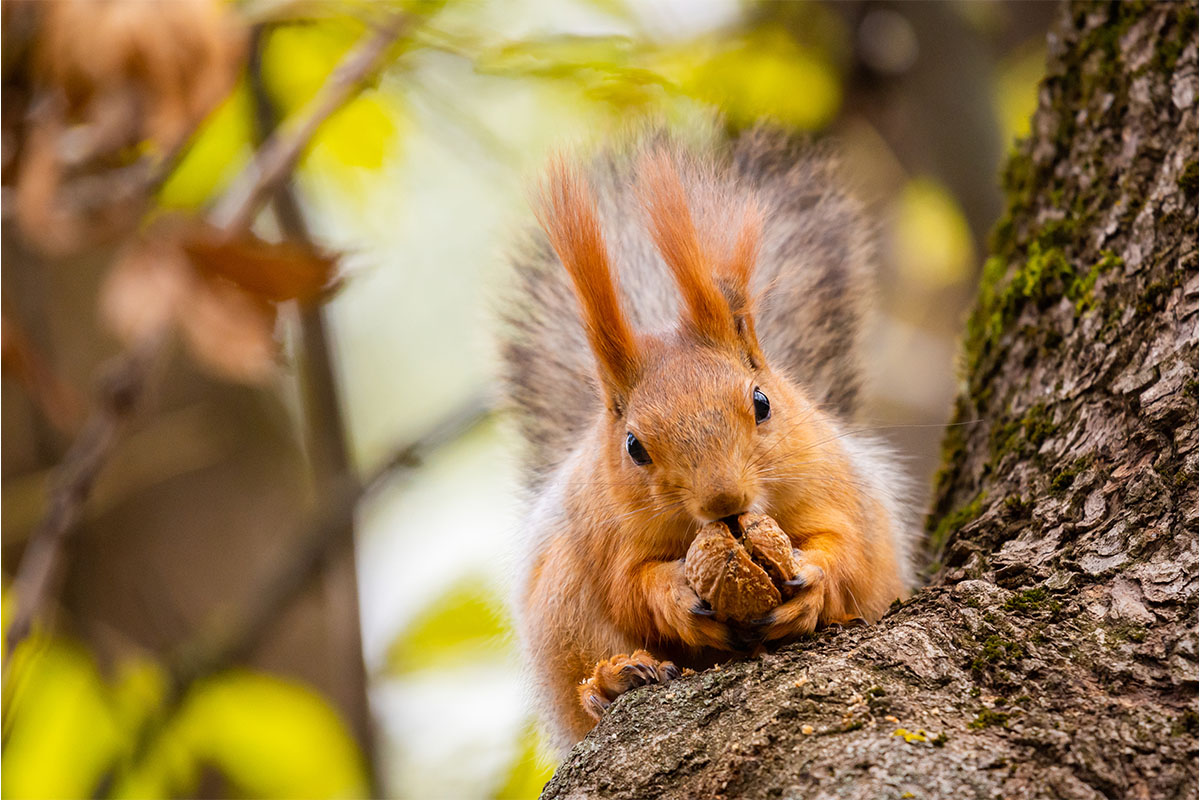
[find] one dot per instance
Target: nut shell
(724, 575)
(769, 546)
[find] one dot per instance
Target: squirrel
(683, 346)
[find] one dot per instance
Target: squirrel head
(694, 416)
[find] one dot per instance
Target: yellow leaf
(1016, 87)
(360, 134)
(218, 151)
(933, 244)
(530, 770)
(765, 74)
(298, 59)
(466, 623)
(62, 732)
(272, 737)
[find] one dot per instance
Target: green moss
(996, 651)
(876, 691)
(1120, 632)
(1186, 724)
(1189, 181)
(940, 740)
(955, 520)
(1065, 478)
(1032, 601)
(988, 718)
(1017, 507)
(1081, 288)
(1023, 436)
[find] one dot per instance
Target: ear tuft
(566, 211)
(706, 312)
(716, 294)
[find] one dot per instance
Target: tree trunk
(1055, 653)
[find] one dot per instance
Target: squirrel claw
(614, 676)
(702, 611)
(639, 674)
(798, 582)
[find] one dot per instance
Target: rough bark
(1054, 653)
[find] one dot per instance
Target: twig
(274, 161)
(122, 390)
(324, 428)
(226, 640)
(117, 401)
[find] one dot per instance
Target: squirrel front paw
(617, 675)
(683, 616)
(802, 612)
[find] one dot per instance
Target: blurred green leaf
(219, 150)
(530, 770)
(465, 624)
(272, 737)
(933, 245)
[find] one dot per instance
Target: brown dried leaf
(173, 59)
(145, 289)
(229, 332)
(273, 271)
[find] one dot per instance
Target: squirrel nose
(725, 503)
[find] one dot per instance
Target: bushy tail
(814, 279)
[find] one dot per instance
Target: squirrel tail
(814, 279)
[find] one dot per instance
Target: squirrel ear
(735, 279)
(566, 210)
(716, 307)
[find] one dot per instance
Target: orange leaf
(229, 331)
(273, 271)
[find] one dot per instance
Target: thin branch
(119, 398)
(121, 391)
(229, 639)
(321, 410)
(274, 161)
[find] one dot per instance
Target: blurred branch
(224, 642)
(321, 410)
(127, 381)
(121, 391)
(274, 161)
(230, 638)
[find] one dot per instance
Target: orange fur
(567, 212)
(607, 577)
(675, 234)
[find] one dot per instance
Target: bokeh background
(231, 614)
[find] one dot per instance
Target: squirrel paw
(617, 675)
(801, 614)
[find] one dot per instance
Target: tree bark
(1054, 653)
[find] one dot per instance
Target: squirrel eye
(762, 407)
(636, 451)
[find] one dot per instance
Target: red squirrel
(683, 347)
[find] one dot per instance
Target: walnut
(740, 576)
